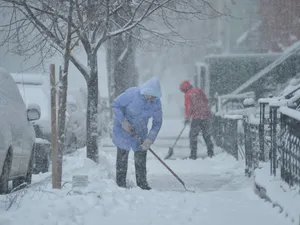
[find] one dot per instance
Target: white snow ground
(223, 195)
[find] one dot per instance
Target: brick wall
(280, 24)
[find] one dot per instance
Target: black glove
(186, 122)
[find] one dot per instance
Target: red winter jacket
(196, 102)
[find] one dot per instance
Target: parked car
(17, 136)
(34, 89)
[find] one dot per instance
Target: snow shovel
(168, 168)
(171, 149)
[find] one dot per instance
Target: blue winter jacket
(133, 106)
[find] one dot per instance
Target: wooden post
(59, 120)
(56, 183)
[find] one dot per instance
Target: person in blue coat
(132, 110)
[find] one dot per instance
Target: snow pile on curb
(279, 193)
(47, 203)
(228, 195)
(102, 200)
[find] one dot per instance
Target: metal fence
(290, 149)
(225, 133)
(255, 141)
(273, 138)
(274, 130)
(252, 146)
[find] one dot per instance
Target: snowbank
(103, 201)
(279, 193)
(228, 195)
(40, 204)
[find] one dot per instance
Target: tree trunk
(92, 110)
(63, 90)
(110, 72)
(62, 107)
(125, 74)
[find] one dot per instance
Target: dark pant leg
(140, 158)
(206, 132)
(194, 132)
(121, 167)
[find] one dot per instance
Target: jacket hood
(185, 86)
(151, 87)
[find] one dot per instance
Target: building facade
(278, 27)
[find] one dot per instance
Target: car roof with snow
(8, 88)
(34, 88)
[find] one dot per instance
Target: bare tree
(63, 87)
(162, 29)
(33, 23)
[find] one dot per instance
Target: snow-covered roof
(245, 55)
(295, 48)
(287, 97)
(28, 78)
(250, 94)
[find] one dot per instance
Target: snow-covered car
(35, 89)
(17, 136)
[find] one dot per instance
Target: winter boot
(193, 154)
(121, 167)
(210, 153)
(140, 158)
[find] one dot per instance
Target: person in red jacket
(197, 110)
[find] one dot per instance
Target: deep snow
(223, 195)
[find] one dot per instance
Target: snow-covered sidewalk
(286, 198)
(223, 196)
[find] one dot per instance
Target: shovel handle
(162, 162)
(179, 136)
(171, 171)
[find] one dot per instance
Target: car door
(20, 138)
(10, 104)
(23, 133)
(28, 138)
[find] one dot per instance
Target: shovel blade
(170, 153)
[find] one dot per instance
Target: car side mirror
(33, 112)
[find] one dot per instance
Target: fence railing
(226, 135)
(290, 146)
(251, 139)
(252, 146)
(274, 137)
